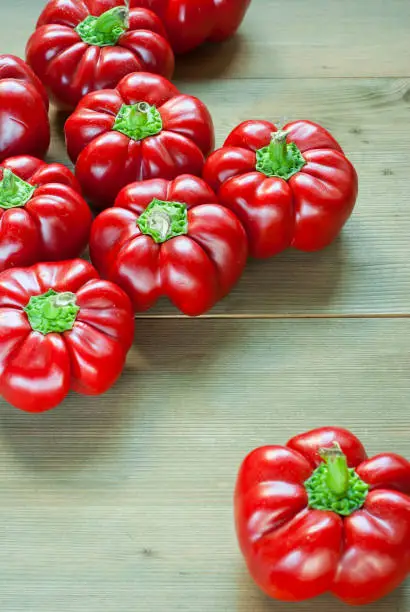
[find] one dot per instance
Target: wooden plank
(299, 39)
(124, 502)
(293, 39)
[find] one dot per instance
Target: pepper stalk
(334, 486)
(280, 158)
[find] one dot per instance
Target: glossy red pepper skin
(308, 211)
(25, 128)
(190, 23)
(70, 68)
(37, 371)
(106, 160)
(53, 225)
(294, 552)
(194, 270)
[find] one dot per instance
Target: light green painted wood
(124, 503)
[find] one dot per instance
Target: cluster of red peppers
(178, 220)
(136, 142)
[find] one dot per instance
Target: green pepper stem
(280, 158)
(335, 487)
(14, 192)
(164, 220)
(138, 121)
(338, 471)
(52, 312)
(138, 115)
(9, 183)
(278, 149)
(161, 222)
(53, 305)
(105, 30)
(110, 20)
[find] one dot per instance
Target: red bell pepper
(61, 328)
(190, 23)
(43, 216)
(80, 46)
(144, 129)
(25, 128)
(170, 238)
(291, 187)
(316, 515)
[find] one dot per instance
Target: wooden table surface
(123, 503)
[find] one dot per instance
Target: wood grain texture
(124, 503)
(299, 39)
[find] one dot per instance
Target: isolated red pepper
(61, 328)
(316, 515)
(25, 128)
(170, 238)
(190, 23)
(291, 187)
(83, 45)
(43, 216)
(144, 129)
